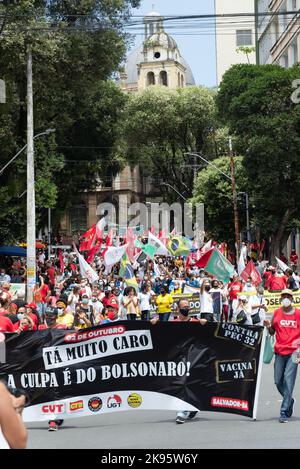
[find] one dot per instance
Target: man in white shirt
(258, 307)
(206, 302)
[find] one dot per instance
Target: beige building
(278, 39)
(232, 32)
(156, 62)
(278, 33)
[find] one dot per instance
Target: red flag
(202, 262)
(252, 272)
(92, 252)
(88, 239)
(188, 262)
(222, 248)
(130, 239)
(61, 261)
(108, 241)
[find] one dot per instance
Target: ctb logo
(114, 401)
(95, 404)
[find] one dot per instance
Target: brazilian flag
(178, 246)
(127, 273)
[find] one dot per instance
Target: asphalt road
(158, 430)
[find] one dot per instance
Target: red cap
(31, 305)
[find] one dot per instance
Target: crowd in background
(64, 299)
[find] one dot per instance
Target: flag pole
(257, 389)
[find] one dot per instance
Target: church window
(157, 55)
(178, 75)
(163, 76)
(182, 81)
(150, 78)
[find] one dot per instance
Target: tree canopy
(255, 102)
(159, 126)
(77, 46)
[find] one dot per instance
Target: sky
(198, 50)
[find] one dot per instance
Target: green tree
(214, 190)
(160, 125)
(77, 46)
(255, 102)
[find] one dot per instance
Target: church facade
(156, 62)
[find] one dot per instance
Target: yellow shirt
(177, 291)
(67, 320)
(164, 303)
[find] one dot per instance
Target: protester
(286, 325)
(234, 287)
(13, 433)
(131, 303)
(206, 302)
(164, 302)
(145, 300)
(258, 307)
(294, 260)
(64, 316)
(242, 313)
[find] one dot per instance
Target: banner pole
(259, 374)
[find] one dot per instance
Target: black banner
(129, 365)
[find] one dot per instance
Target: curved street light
(46, 132)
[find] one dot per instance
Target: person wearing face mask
(248, 287)
(258, 307)
(286, 325)
(217, 296)
(85, 288)
(206, 302)
(81, 320)
(4, 278)
(87, 308)
(50, 320)
(97, 307)
(164, 302)
(25, 324)
(64, 317)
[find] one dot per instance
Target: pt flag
(252, 272)
(134, 365)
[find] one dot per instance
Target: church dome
(136, 57)
(162, 39)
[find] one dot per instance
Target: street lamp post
(31, 228)
(234, 194)
(247, 214)
(47, 132)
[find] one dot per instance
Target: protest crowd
(157, 278)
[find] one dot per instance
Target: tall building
(156, 62)
(232, 32)
(278, 33)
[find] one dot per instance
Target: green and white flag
(219, 266)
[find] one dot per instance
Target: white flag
(114, 254)
(100, 227)
(241, 264)
(161, 248)
(157, 272)
(86, 271)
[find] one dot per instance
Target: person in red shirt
(294, 259)
(51, 274)
(6, 325)
(31, 311)
(277, 282)
(286, 325)
(268, 275)
(234, 287)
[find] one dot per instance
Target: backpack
(241, 318)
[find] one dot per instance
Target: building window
(179, 80)
(244, 37)
(150, 79)
(78, 218)
(163, 76)
(182, 81)
(157, 55)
